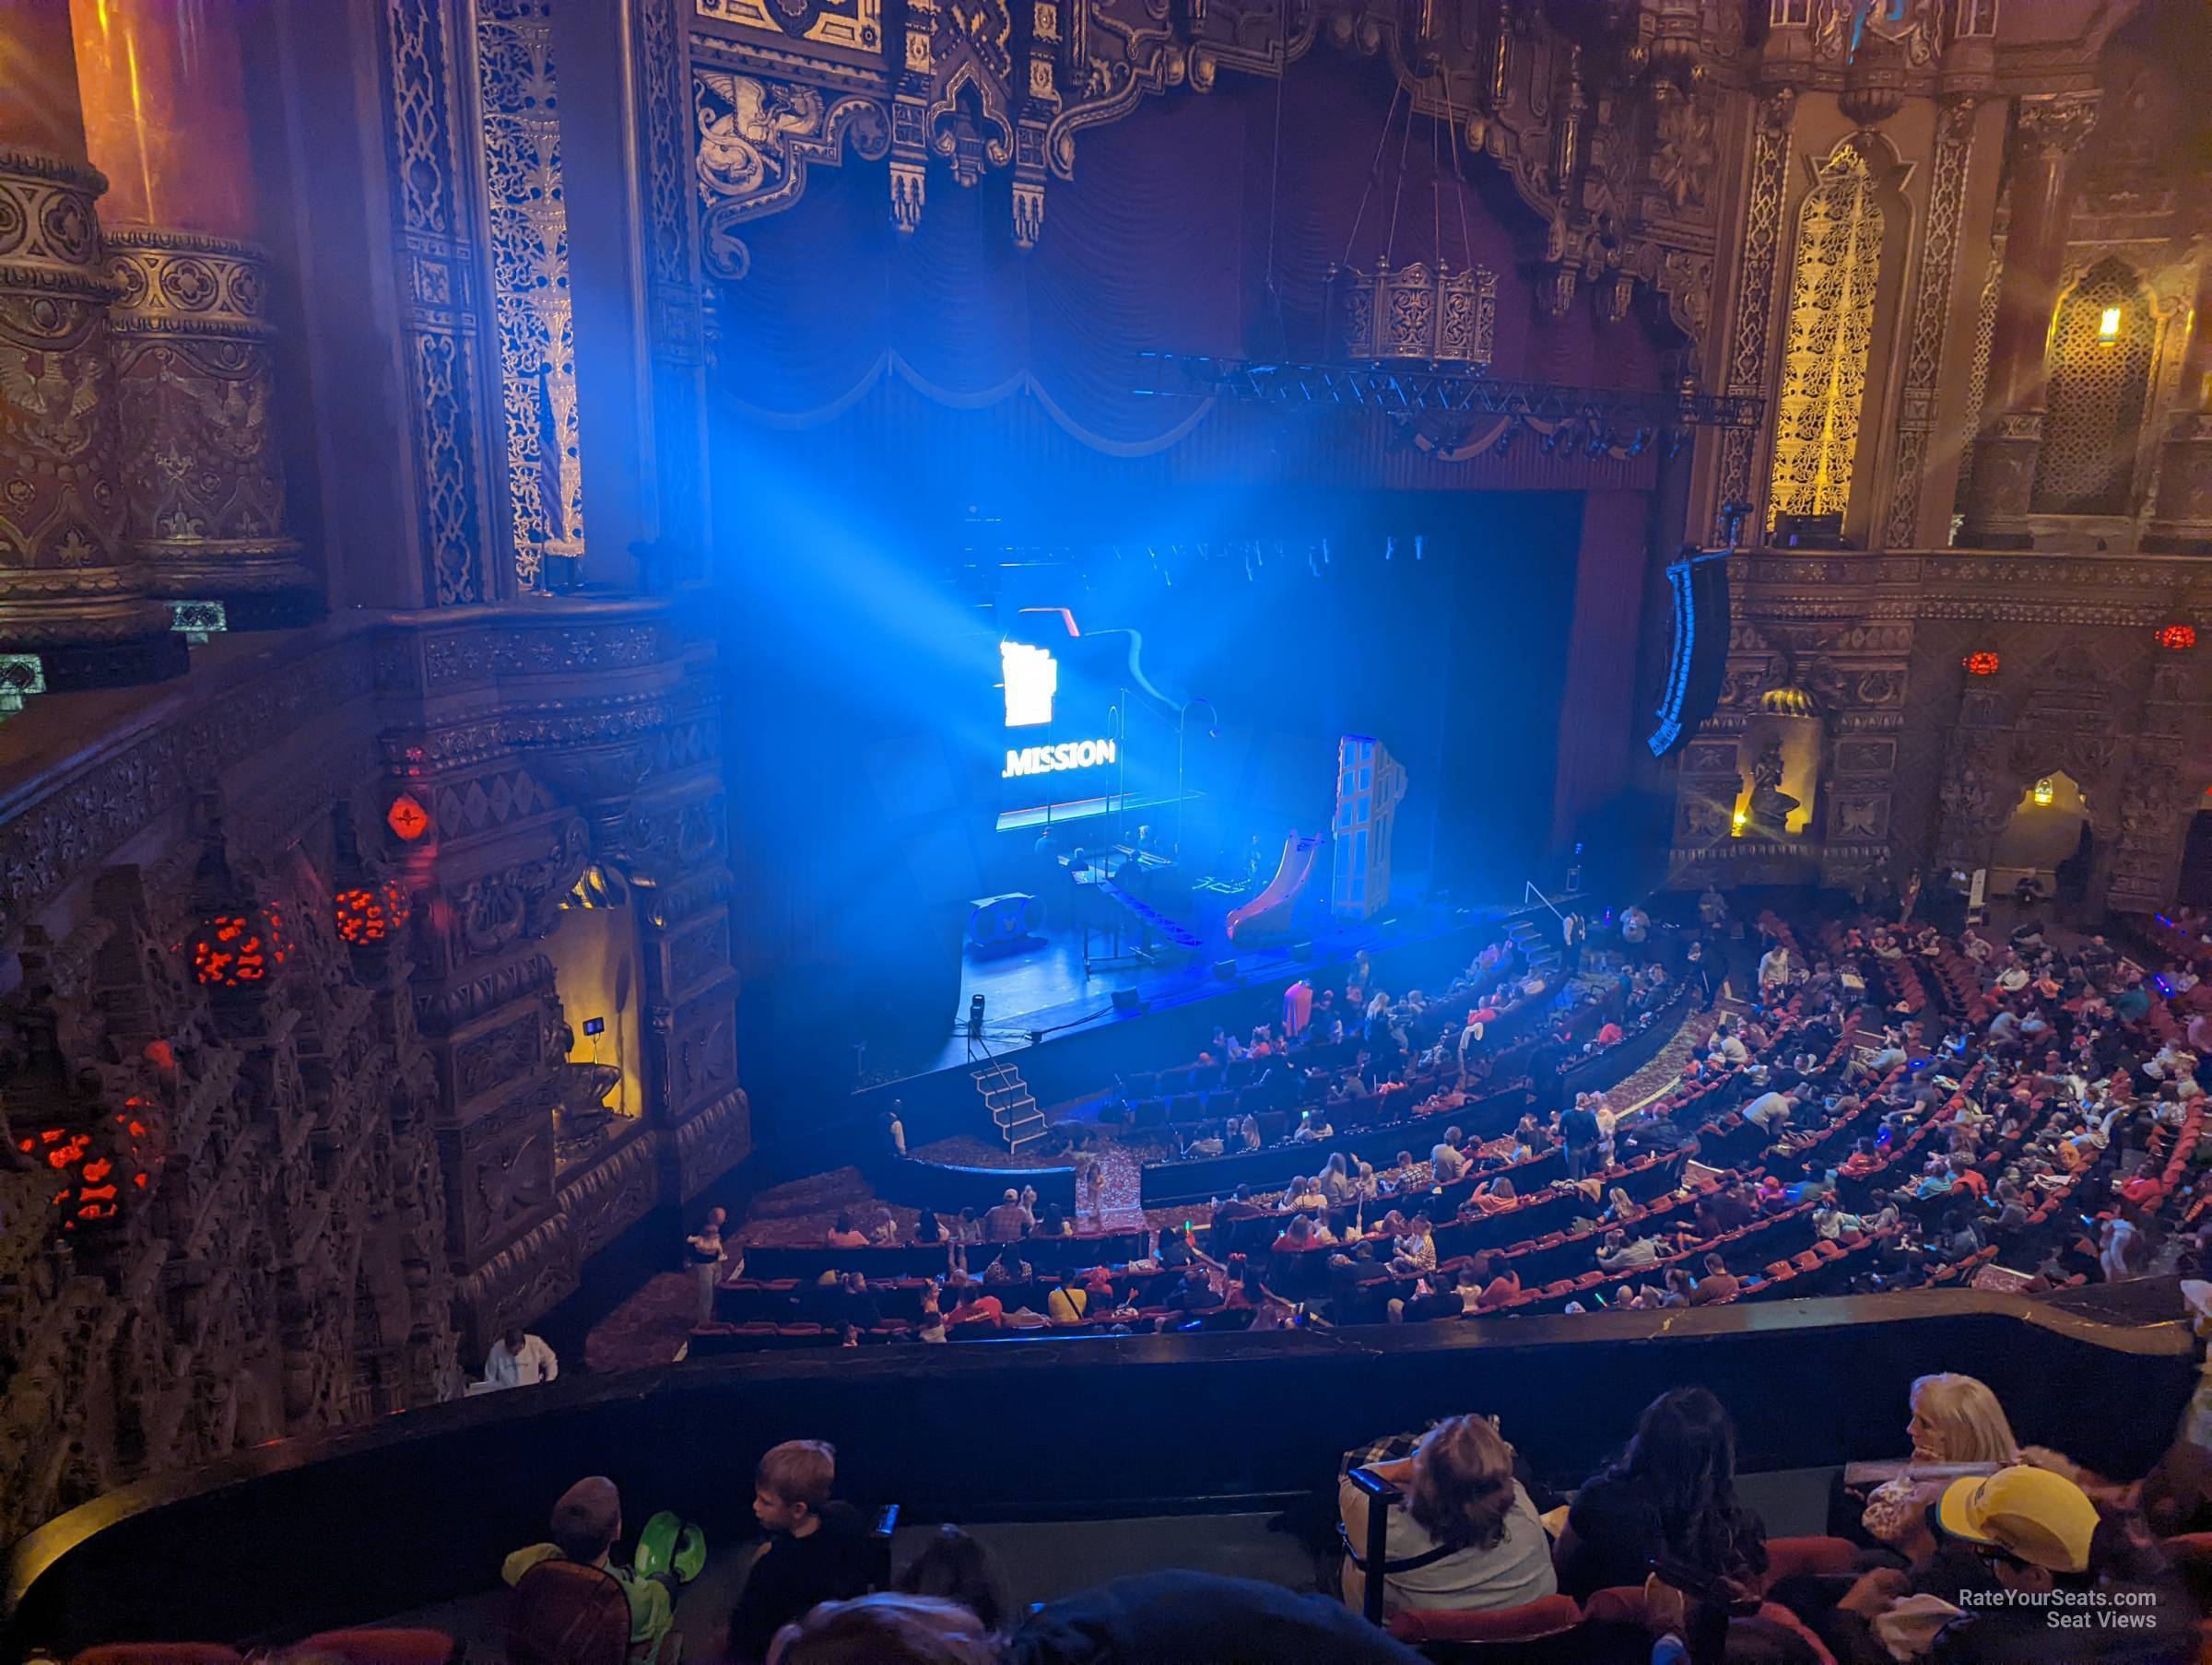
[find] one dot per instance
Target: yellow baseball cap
(2030, 1514)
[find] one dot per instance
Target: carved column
(203, 489)
(1932, 298)
(68, 590)
(1754, 295)
(2049, 129)
(2182, 521)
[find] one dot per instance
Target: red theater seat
(1549, 1617)
(382, 1647)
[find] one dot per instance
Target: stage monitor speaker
(1226, 970)
(1698, 588)
(993, 921)
(1128, 1000)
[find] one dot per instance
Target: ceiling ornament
(1604, 118)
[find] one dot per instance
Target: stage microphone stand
(1119, 712)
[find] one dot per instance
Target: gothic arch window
(2103, 347)
(1836, 277)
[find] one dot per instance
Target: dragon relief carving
(755, 137)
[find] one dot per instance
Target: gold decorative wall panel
(527, 222)
(1837, 270)
(856, 24)
(63, 577)
(203, 481)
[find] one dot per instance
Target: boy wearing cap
(1005, 1222)
(2020, 1574)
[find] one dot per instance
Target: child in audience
(588, 1522)
(819, 1550)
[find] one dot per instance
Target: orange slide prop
(1268, 914)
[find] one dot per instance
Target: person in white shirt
(2013, 979)
(1713, 907)
(1622, 1252)
(1729, 1046)
(1768, 1108)
(1447, 1161)
(1773, 968)
(518, 1360)
(706, 1256)
(2116, 1250)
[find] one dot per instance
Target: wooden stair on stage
(1539, 947)
(1012, 1105)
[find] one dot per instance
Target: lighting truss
(1438, 390)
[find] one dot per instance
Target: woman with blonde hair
(1958, 1427)
(1465, 1536)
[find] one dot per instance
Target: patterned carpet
(649, 1328)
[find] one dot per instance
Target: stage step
(1539, 948)
(1012, 1107)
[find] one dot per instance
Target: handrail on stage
(1529, 890)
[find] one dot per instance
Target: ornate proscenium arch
(1605, 118)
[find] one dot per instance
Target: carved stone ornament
(756, 140)
(2056, 124)
(277, 1186)
(204, 482)
(1612, 142)
(435, 257)
(1931, 285)
(520, 903)
(64, 574)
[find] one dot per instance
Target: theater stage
(1086, 1040)
(1044, 988)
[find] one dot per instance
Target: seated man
(1622, 1253)
(817, 1549)
(1717, 1284)
(1005, 1222)
(588, 1522)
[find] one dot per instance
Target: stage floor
(1045, 988)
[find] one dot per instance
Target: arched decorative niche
(2103, 359)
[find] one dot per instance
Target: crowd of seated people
(1962, 1553)
(1895, 1108)
(1370, 1059)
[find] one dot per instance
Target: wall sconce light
(1741, 820)
(1981, 662)
(2108, 324)
(2177, 639)
(2044, 792)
